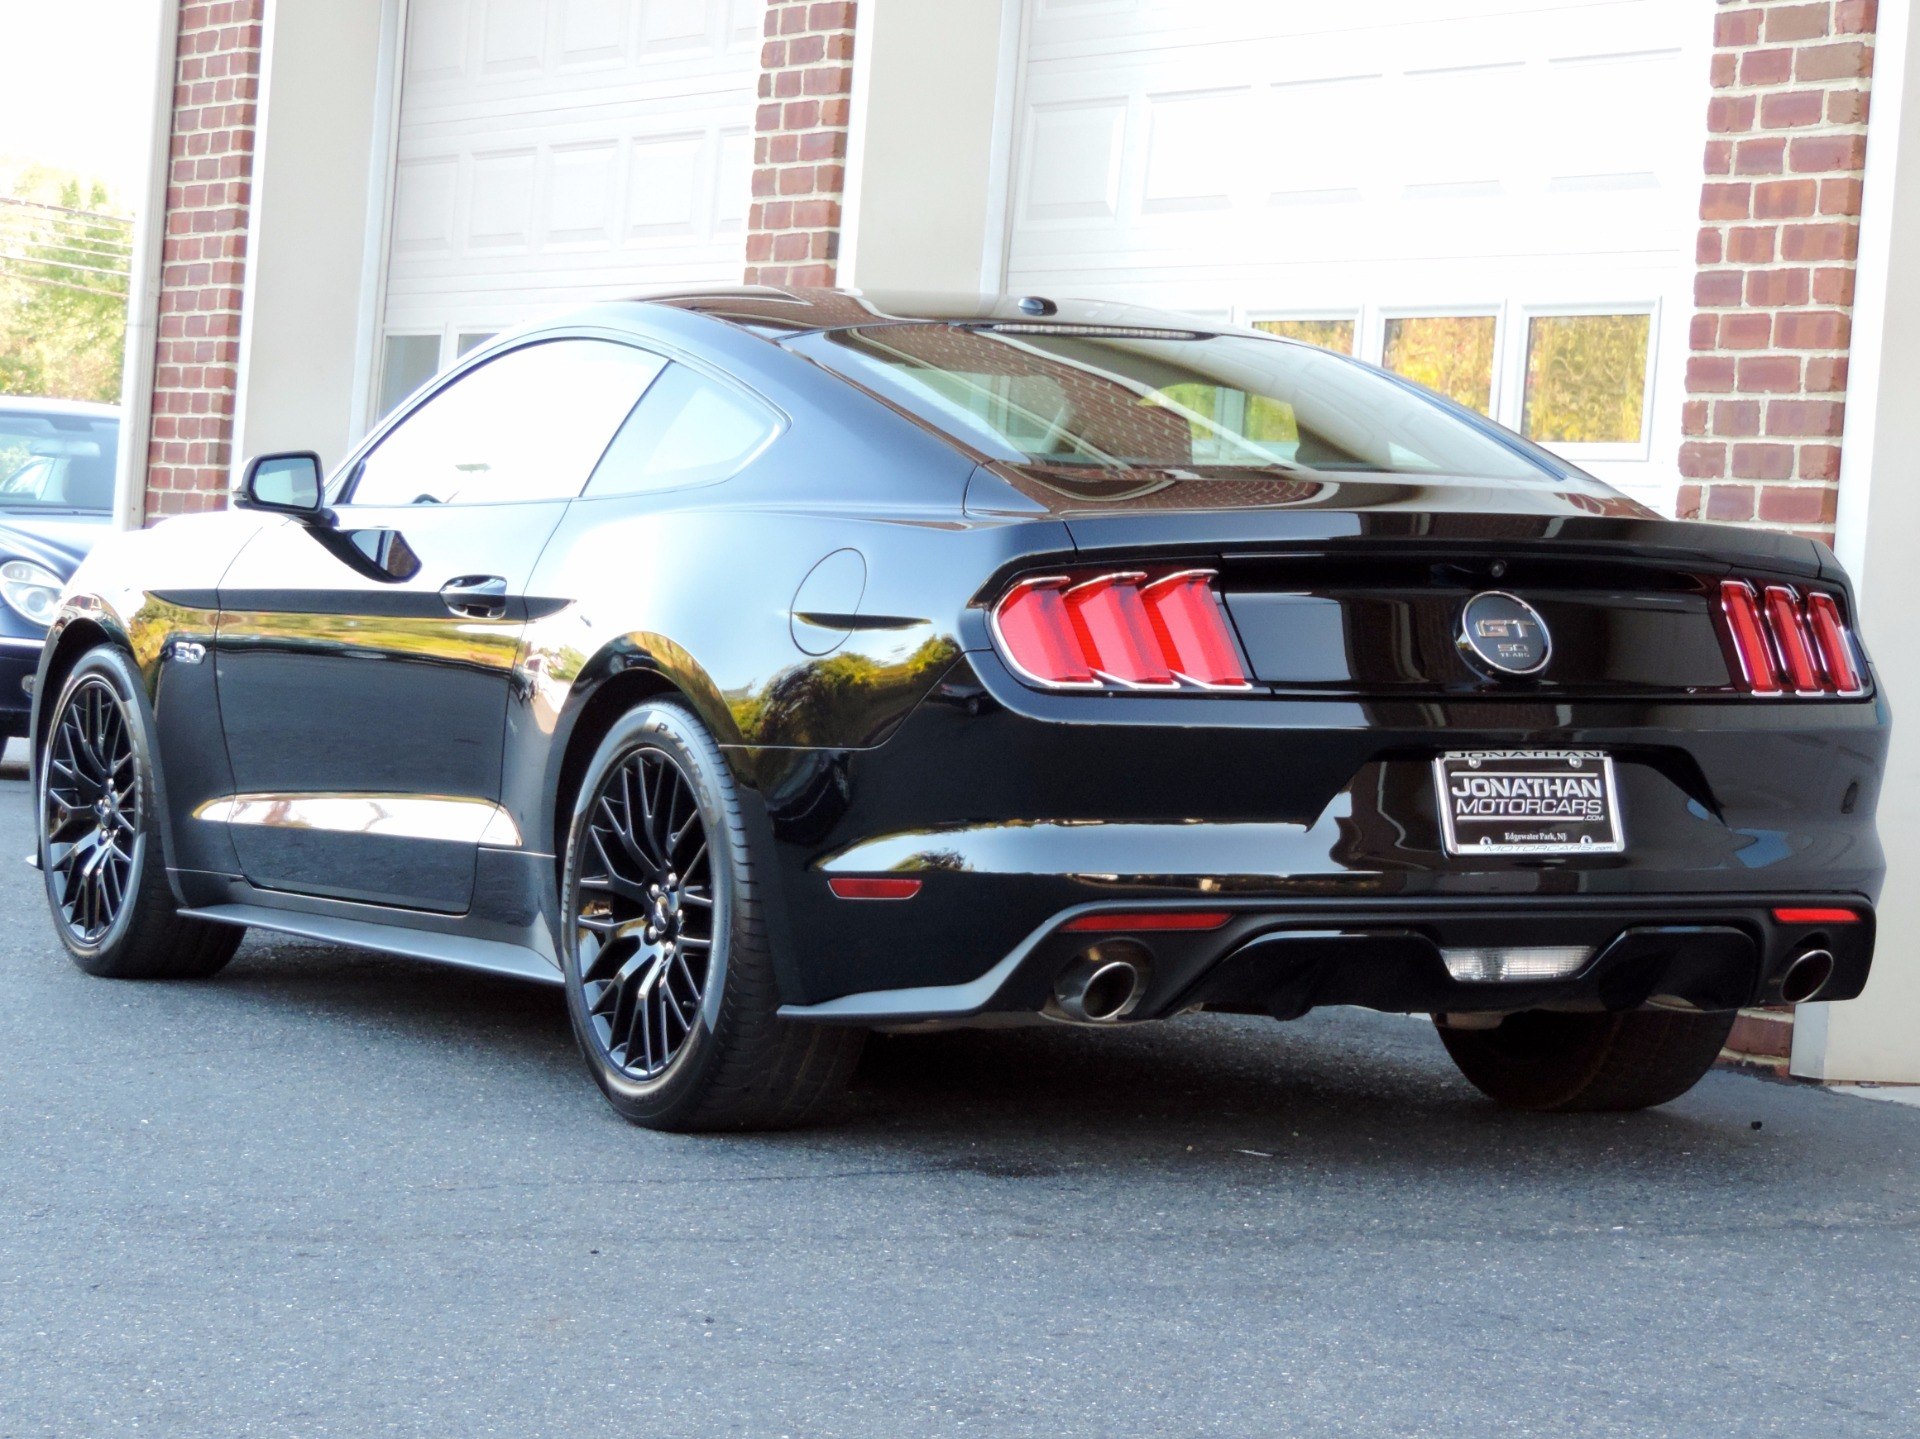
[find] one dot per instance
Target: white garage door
(1497, 197)
(558, 152)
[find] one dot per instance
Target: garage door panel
(1275, 157)
(556, 152)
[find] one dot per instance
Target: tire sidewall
(112, 668)
(670, 729)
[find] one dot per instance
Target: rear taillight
(1787, 643)
(1125, 630)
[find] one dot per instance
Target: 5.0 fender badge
(1505, 633)
(186, 652)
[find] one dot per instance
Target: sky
(78, 88)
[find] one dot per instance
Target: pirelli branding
(1528, 802)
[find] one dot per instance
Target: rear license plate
(1528, 802)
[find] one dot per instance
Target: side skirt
(489, 956)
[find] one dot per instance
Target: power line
(63, 285)
(96, 216)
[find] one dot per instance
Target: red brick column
(196, 358)
(1773, 299)
(800, 143)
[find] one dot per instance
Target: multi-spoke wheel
(91, 813)
(669, 978)
(646, 923)
(99, 852)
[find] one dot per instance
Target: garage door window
(1335, 334)
(1587, 379)
(408, 363)
(529, 425)
(1452, 354)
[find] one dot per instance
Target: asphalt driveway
(333, 1194)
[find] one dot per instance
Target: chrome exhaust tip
(1806, 976)
(1102, 986)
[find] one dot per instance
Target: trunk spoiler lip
(1250, 534)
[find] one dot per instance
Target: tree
(64, 263)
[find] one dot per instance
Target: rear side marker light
(1160, 920)
(1789, 644)
(1119, 631)
(850, 888)
(1815, 916)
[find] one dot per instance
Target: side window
(689, 430)
(529, 425)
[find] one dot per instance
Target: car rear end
(1266, 738)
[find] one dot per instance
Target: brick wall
(1780, 208)
(216, 86)
(1773, 298)
(800, 143)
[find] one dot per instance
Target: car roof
(34, 404)
(775, 308)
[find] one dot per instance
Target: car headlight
(32, 591)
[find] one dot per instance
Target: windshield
(1134, 400)
(50, 460)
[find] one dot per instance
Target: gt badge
(1505, 633)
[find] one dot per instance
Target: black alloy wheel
(99, 831)
(669, 974)
(91, 811)
(645, 927)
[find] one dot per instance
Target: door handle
(476, 597)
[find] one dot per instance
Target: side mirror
(290, 484)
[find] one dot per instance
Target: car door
(364, 669)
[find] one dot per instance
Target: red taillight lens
(1790, 636)
(1836, 645)
(1749, 638)
(1115, 637)
(1787, 643)
(1120, 631)
(1192, 633)
(1037, 636)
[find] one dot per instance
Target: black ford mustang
(767, 667)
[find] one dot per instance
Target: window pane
(1587, 378)
(470, 340)
(689, 430)
(529, 425)
(410, 361)
(57, 460)
(1327, 334)
(1449, 353)
(1088, 405)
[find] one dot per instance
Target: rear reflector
(1119, 631)
(1146, 920)
(848, 888)
(1784, 643)
(1815, 916)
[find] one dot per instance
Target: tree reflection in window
(1449, 353)
(1336, 335)
(1587, 378)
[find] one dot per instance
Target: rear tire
(664, 948)
(101, 853)
(1636, 1059)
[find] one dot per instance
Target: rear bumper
(1013, 809)
(1285, 960)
